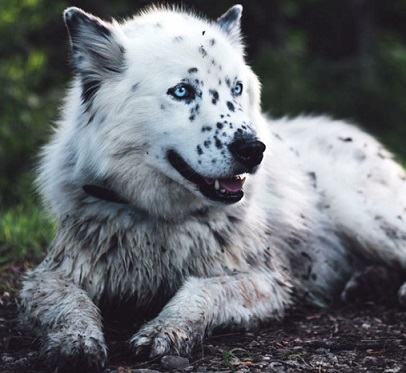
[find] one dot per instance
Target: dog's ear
(230, 22)
(96, 53)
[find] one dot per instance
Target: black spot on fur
(207, 143)
(234, 219)
(158, 25)
(135, 87)
(219, 125)
(313, 179)
(91, 119)
(214, 161)
(162, 107)
(215, 96)
(230, 106)
(228, 82)
(203, 32)
(192, 70)
(199, 150)
(178, 39)
(206, 129)
(192, 117)
(345, 139)
(202, 51)
(218, 143)
(219, 81)
(213, 62)
(212, 42)
(194, 110)
(277, 136)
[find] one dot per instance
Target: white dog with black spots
(173, 192)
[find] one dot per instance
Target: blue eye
(237, 90)
(182, 92)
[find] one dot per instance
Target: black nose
(249, 152)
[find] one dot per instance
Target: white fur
(326, 200)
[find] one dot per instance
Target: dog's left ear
(96, 53)
(230, 22)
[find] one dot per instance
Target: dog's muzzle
(247, 153)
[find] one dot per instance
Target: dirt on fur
(348, 338)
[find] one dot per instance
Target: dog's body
(145, 174)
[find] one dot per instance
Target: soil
(364, 337)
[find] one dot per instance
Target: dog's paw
(169, 336)
(74, 352)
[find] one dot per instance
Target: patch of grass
(25, 233)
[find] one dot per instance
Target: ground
(348, 338)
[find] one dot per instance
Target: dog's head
(168, 106)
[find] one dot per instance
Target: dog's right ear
(96, 53)
(230, 22)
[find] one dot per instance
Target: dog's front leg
(70, 323)
(202, 304)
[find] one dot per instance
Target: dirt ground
(356, 338)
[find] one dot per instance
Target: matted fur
(326, 201)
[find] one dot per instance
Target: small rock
(170, 362)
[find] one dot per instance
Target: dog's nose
(249, 152)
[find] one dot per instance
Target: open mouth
(226, 190)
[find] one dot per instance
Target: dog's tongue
(231, 185)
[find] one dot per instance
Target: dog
(173, 191)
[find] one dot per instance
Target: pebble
(170, 362)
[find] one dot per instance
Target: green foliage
(295, 83)
(25, 230)
(30, 81)
(25, 233)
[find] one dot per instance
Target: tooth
(242, 180)
(216, 184)
(222, 190)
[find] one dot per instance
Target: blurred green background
(346, 58)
